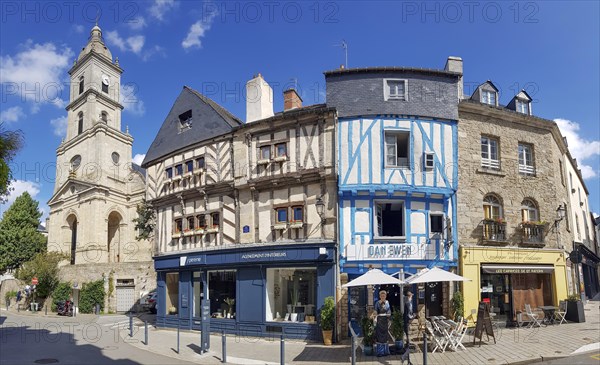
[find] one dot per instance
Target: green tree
(44, 266)
(61, 293)
(10, 143)
(145, 222)
(19, 237)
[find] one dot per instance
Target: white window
(526, 159)
(394, 89)
(428, 160)
(488, 97)
(492, 209)
(529, 211)
(389, 219)
(523, 107)
(489, 153)
(397, 146)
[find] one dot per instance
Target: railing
(532, 233)
(490, 163)
(494, 231)
(526, 169)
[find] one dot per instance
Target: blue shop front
(253, 290)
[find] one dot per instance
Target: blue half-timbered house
(397, 150)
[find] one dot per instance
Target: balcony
(489, 163)
(494, 231)
(533, 233)
(526, 170)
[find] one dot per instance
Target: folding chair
(437, 338)
(459, 334)
(534, 318)
(561, 313)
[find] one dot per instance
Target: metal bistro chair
(534, 318)
(561, 313)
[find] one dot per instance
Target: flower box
(280, 159)
(188, 233)
(279, 226)
(263, 162)
(176, 235)
(212, 230)
(199, 231)
(296, 224)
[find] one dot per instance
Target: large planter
(575, 312)
(327, 336)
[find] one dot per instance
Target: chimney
(455, 64)
(259, 99)
(291, 100)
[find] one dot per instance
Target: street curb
(537, 360)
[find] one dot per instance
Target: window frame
(281, 209)
(442, 229)
(188, 164)
(532, 207)
(489, 162)
(200, 218)
(522, 106)
(293, 217)
(178, 225)
(492, 206)
(81, 84)
(277, 145)
(185, 120)
(169, 172)
(376, 225)
(387, 95)
(395, 133)
(203, 165)
(261, 149)
(212, 220)
(525, 168)
(79, 122)
(178, 169)
(487, 95)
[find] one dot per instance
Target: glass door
(198, 289)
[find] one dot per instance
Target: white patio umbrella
(373, 277)
(432, 275)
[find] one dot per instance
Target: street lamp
(560, 215)
(320, 205)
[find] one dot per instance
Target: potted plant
(575, 311)
(230, 302)
(328, 320)
(397, 328)
(368, 331)
(294, 299)
(458, 305)
(172, 310)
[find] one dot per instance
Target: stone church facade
(97, 187)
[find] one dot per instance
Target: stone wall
(507, 183)
(141, 272)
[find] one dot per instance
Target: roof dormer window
(185, 121)
(522, 106)
(394, 89)
(488, 97)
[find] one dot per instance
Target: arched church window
(79, 123)
(75, 162)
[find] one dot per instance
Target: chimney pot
(291, 100)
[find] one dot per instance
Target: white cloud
(131, 44)
(18, 187)
(149, 52)
(137, 23)
(60, 126)
(12, 114)
(130, 100)
(160, 7)
(138, 158)
(78, 28)
(35, 73)
(197, 31)
(580, 148)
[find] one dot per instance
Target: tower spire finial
(97, 16)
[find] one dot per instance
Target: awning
(517, 269)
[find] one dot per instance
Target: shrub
(573, 298)
(328, 314)
(368, 330)
(458, 305)
(44, 266)
(61, 293)
(10, 294)
(92, 293)
(397, 324)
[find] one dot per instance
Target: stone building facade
(512, 239)
(246, 214)
(97, 187)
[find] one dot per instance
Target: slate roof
(388, 69)
(138, 168)
(209, 120)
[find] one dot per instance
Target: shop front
(507, 279)
(589, 271)
(251, 291)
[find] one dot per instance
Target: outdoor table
(548, 313)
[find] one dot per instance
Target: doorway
(433, 298)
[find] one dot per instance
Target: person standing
(382, 307)
(408, 314)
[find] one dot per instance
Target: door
(433, 298)
(125, 298)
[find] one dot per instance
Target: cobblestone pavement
(513, 346)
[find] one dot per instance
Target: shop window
(291, 294)
(222, 294)
(172, 300)
(389, 219)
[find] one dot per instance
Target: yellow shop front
(509, 278)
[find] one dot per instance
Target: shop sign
(498, 269)
(400, 251)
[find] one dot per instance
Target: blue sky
(549, 48)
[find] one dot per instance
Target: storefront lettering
(520, 271)
(264, 255)
(194, 260)
(389, 251)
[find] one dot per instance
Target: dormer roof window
(486, 93)
(185, 121)
(521, 103)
